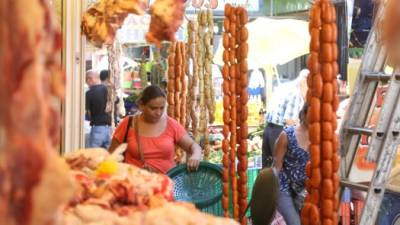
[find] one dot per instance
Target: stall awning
(273, 42)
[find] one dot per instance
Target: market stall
(173, 51)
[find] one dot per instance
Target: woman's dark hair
(149, 93)
(303, 113)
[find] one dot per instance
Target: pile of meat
(167, 214)
(101, 21)
(119, 194)
(127, 195)
(87, 160)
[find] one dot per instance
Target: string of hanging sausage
(322, 203)
(235, 112)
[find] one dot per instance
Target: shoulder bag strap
(126, 134)
(136, 124)
(127, 129)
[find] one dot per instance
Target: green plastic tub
(204, 187)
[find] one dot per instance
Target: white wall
(73, 105)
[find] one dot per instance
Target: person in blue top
(291, 157)
(283, 110)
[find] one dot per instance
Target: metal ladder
(384, 137)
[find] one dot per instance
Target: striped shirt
(285, 106)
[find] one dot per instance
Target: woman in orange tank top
(158, 135)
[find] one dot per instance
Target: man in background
(118, 104)
(105, 80)
(283, 110)
(100, 120)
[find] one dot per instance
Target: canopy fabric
(273, 42)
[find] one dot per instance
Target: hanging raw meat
(101, 21)
(34, 181)
(171, 80)
(197, 3)
(166, 17)
(113, 82)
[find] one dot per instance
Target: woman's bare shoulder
(282, 138)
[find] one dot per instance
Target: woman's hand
(194, 159)
(193, 152)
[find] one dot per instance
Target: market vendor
(158, 135)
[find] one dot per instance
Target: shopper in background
(153, 136)
(283, 110)
(105, 77)
(119, 109)
(291, 157)
(100, 120)
(105, 80)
